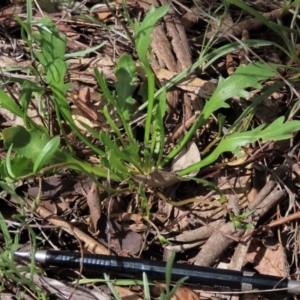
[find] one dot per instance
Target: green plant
(36, 152)
(244, 77)
(237, 221)
(8, 267)
(27, 143)
(121, 158)
(169, 293)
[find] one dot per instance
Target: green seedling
(8, 267)
(237, 221)
(123, 160)
(170, 292)
(121, 156)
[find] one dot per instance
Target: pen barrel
(96, 265)
(263, 282)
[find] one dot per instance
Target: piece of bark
(280, 172)
(162, 49)
(178, 37)
(216, 245)
(171, 50)
(197, 234)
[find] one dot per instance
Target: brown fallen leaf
(126, 293)
(191, 84)
(188, 156)
(11, 119)
(103, 15)
(182, 293)
(268, 260)
(185, 293)
(120, 239)
(78, 117)
(94, 203)
(54, 187)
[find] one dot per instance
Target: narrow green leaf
(176, 286)
(144, 200)
(9, 104)
(221, 121)
(10, 189)
(111, 287)
(28, 88)
(158, 137)
(147, 295)
(253, 105)
(91, 130)
(119, 157)
(5, 232)
(169, 265)
(84, 52)
(8, 164)
(115, 104)
(19, 165)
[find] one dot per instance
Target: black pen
(229, 280)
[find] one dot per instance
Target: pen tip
(22, 254)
